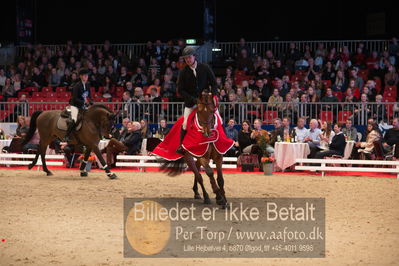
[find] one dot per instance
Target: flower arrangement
(91, 158)
(267, 159)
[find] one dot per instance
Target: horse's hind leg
(33, 163)
(42, 150)
(191, 164)
(195, 187)
(83, 164)
(97, 152)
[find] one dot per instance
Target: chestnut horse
(206, 119)
(96, 122)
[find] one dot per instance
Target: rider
(194, 78)
(80, 100)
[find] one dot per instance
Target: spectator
(21, 108)
(278, 71)
(328, 72)
(337, 144)
(241, 97)
(22, 128)
(245, 141)
(129, 143)
(156, 85)
(391, 137)
(391, 77)
(8, 90)
(372, 61)
(326, 136)
(300, 131)
(2, 78)
(340, 83)
(350, 131)
(38, 79)
(123, 77)
(163, 129)
(367, 147)
(242, 46)
(139, 79)
(275, 100)
(54, 79)
(232, 133)
(358, 80)
(145, 129)
(379, 110)
(313, 139)
(245, 63)
(362, 110)
(168, 88)
(276, 132)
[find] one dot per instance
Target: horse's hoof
(221, 202)
(83, 174)
(112, 176)
(225, 206)
(197, 196)
(207, 201)
(30, 166)
(49, 173)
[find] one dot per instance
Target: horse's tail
(32, 127)
(172, 168)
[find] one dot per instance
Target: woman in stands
(145, 130)
(366, 148)
(22, 128)
(327, 135)
(245, 141)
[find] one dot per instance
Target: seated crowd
(282, 80)
(323, 138)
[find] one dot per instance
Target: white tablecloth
(286, 153)
(348, 149)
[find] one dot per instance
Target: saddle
(62, 122)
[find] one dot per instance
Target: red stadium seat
(47, 89)
(343, 115)
(269, 117)
(356, 93)
(390, 91)
(165, 106)
(51, 95)
(37, 95)
(327, 83)
(326, 116)
(338, 94)
(61, 89)
(65, 94)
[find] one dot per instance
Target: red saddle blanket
(194, 142)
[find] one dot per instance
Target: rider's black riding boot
(180, 150)
(71, 126)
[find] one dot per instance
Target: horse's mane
(100, 106)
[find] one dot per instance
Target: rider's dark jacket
(79, 93)
(191, 86)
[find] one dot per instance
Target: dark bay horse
(96, 123)
(206, 119)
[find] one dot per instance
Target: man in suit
(337, 146)
(80, 100)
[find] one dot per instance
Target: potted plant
(266, 160)
(267, 163)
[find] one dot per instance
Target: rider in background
(194, 78)
(80, 100)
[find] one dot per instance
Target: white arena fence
(266, 112)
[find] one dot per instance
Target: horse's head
(205, 110)
(105, 119)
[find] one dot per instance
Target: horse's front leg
(191, 164)
(103, 163)
(83, 171)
